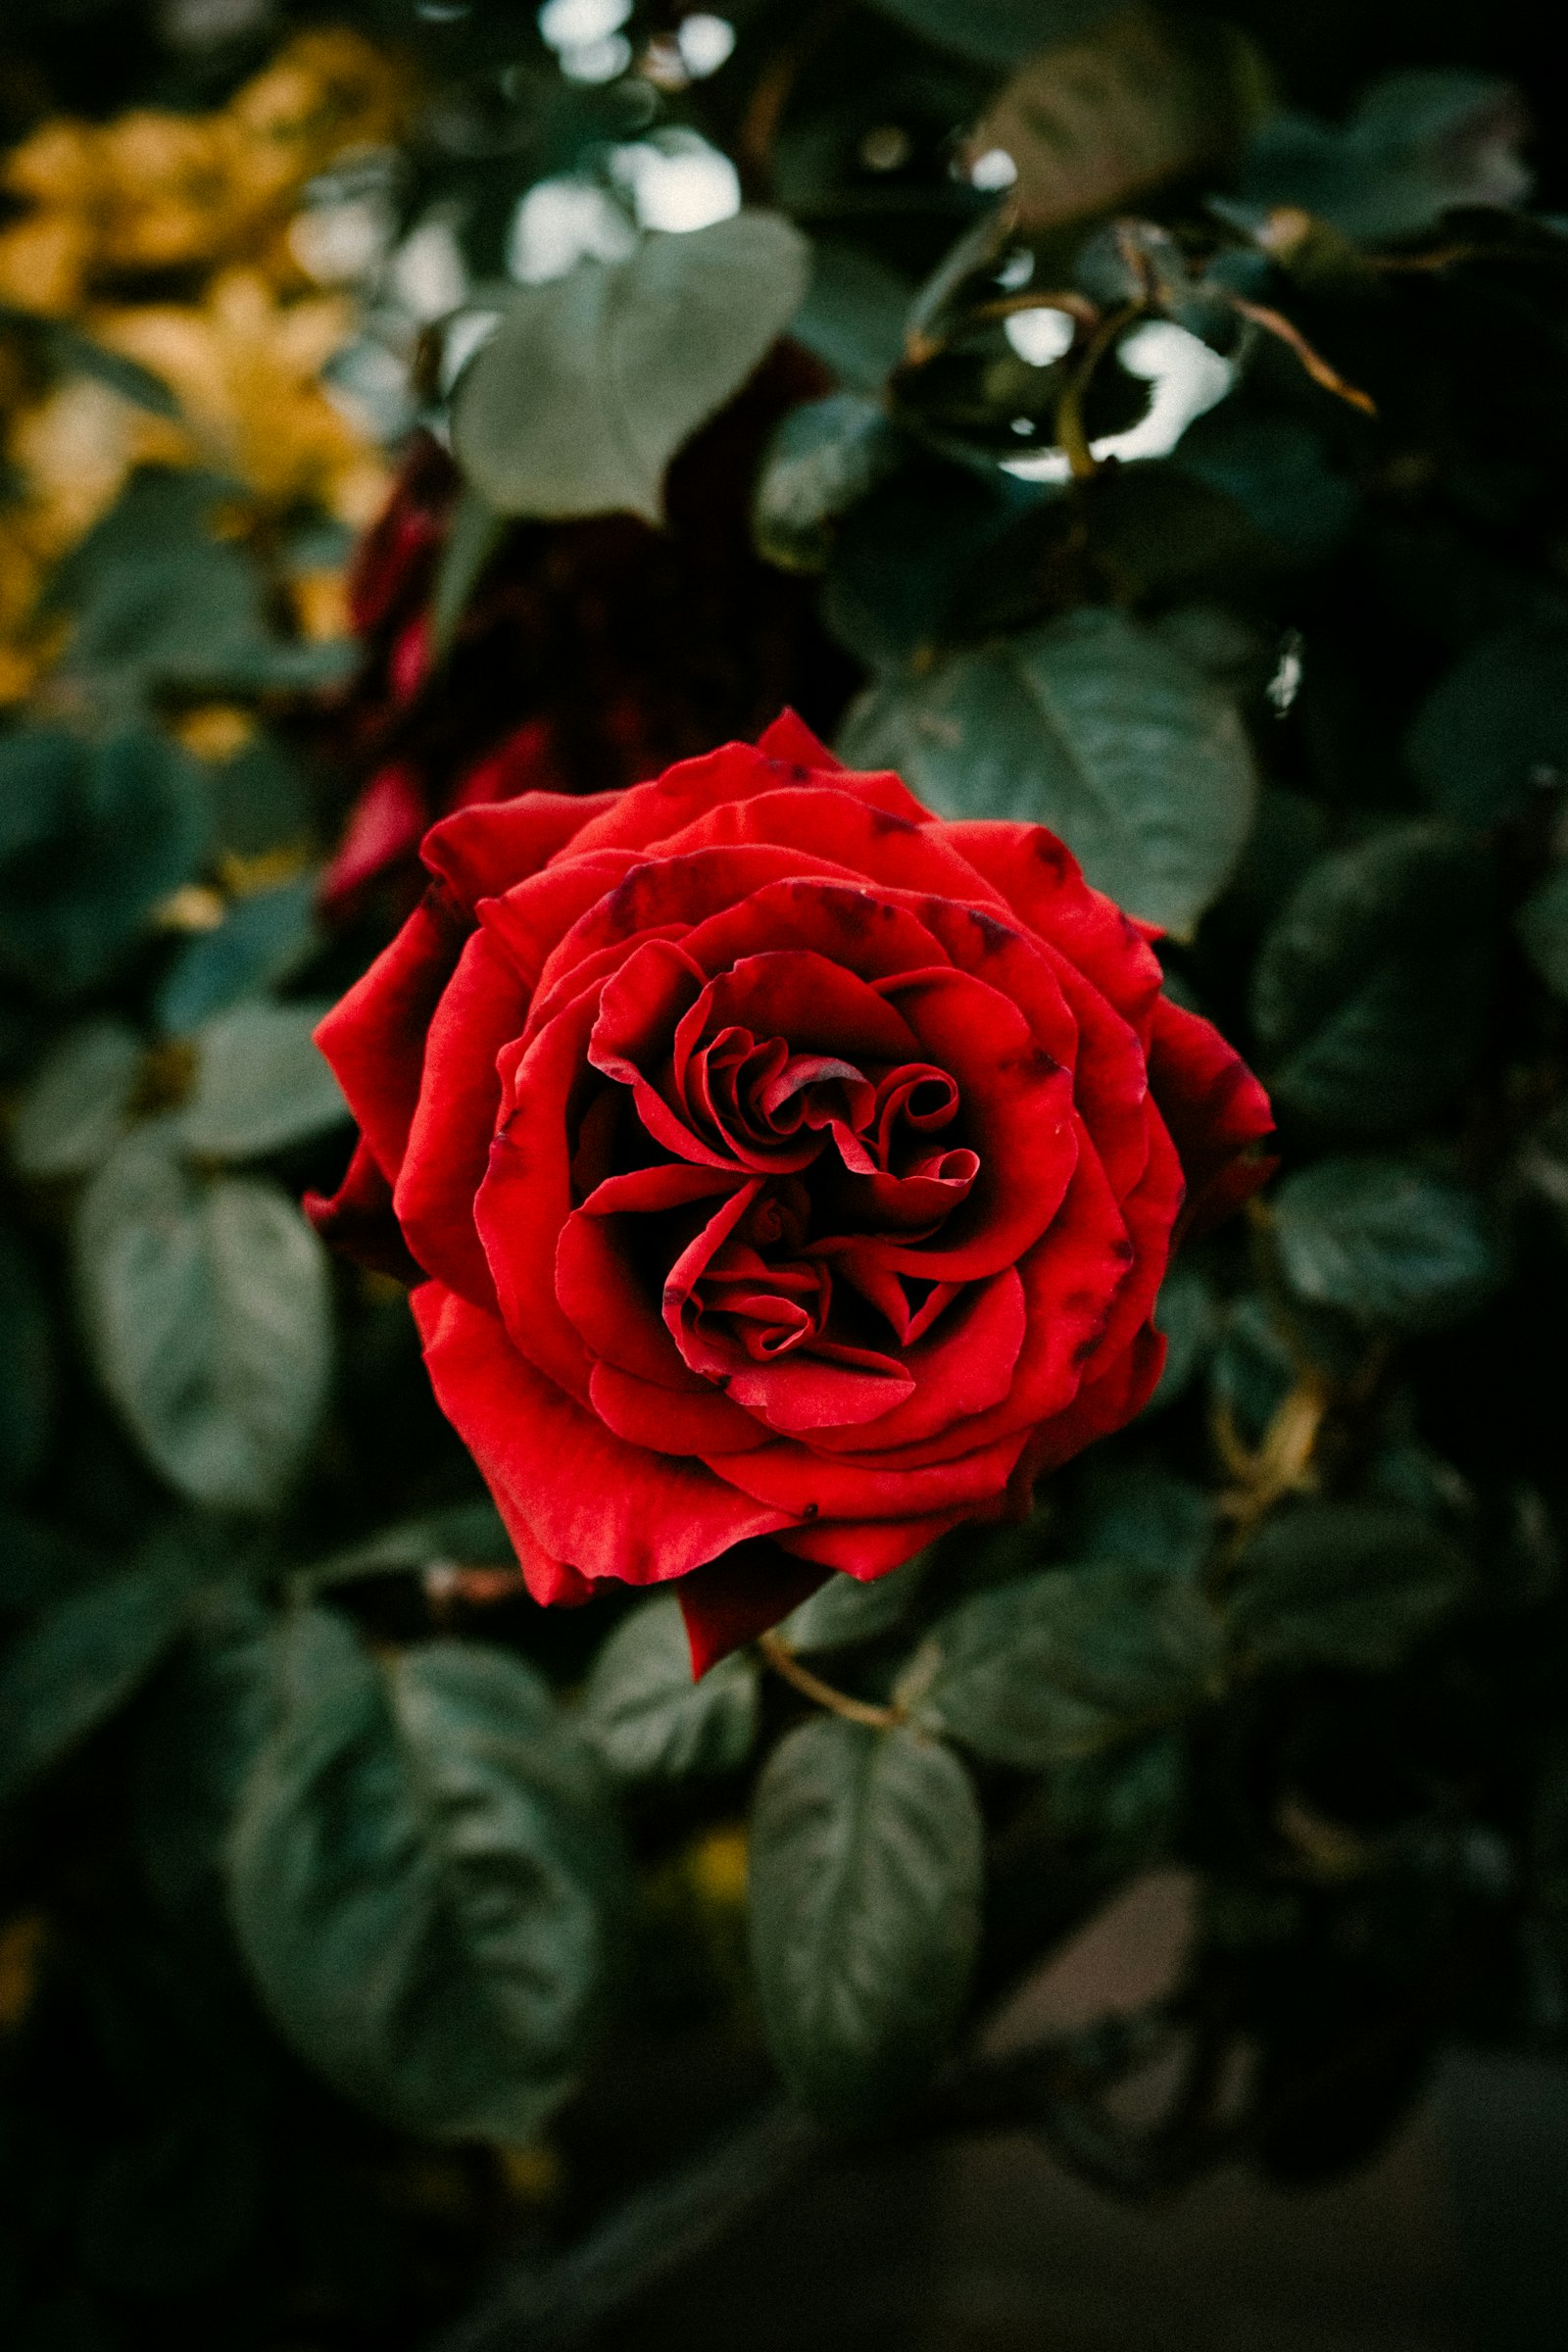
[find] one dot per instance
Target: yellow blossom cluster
(165, 238)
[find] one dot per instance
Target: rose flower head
(774, 1160)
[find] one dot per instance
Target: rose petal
(597, 1285)
(358, 1221)
(488, 848)
(383, 829)
(747, 1593)
(585, 1497)
(1042, 881)
(460, 1099)
(1215, 1110)
(375, 1036)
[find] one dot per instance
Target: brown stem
(1275, 323)
(1070, 433)
(783, 1661)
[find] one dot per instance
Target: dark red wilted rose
(775, 1162)
(593, 652)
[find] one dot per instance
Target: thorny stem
(784, 1662)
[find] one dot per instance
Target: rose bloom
(774, 1160)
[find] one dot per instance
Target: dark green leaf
(592, 382)
(39, 1564)
(1126, 1798)
(1090, 725)
(1495, 729)
(1369, 993)
(866, 1853)
(420, 1871)
(80, 1661)
(468, 1535)
(903, 559)
(1385, 1240)
(1254, 1369)
(260, 942)
(1543, 928)
(644, 1714)
(73, 1114)
(1417, 145)
(198, 1746)
(1186, 1312)
(176, 2206)
(824, 457)
(1140, 1512)
(106, 831)
(208, 1317)
(853, 315)
(1344, 1584)
(261, 1083)
(26, 1363)
(845, 1611)
(1061, 1664)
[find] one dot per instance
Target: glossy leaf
(421, 1875)
(1344, 1584)
(647, 1716)
(260, 942)
(591, 383)
(80, 1661)
(824, 457)
(1385, 1240)
(261, 1083)
(73, 1112)
(864, 1891)
(207, 1316)
(845, 1610)
(1094, 727)
(1369, 993)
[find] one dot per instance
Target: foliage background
(360, 1924)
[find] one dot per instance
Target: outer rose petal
(492, 845)
(584, 1497)
(358, 1220)
(747, 1593)
(1043, 882)
(383, 829)
(375, 1036)
(1214, 1108)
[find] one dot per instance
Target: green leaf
(867, 1856)
(469, 1533)
(197, 1747)
(1385, 1240)
(646, 1716)
(39, 1564)
(260, 942)
(26, 1363)
(1093, 726)
(1370, 991)
(997, 32)
(1344, 1584)
(1541, 924)
(591, 383)
(1253, 1369)
(845, 1611)
(822, 458)
(1417, 144)
(1186, 1312)
(73, 1114)
(96, 836)
(79, 1662)
(1139, 1512)
(261, 1083)
(422, 1873)
(1127, 1798)
(904, 559)
(208, 1318)
(1060, 1664)
(1494, 729)
(853, 314)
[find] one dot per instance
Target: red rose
(775, 1160)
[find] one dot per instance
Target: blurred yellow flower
(244, 368)
(155, 192)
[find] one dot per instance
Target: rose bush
(774, 1160)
